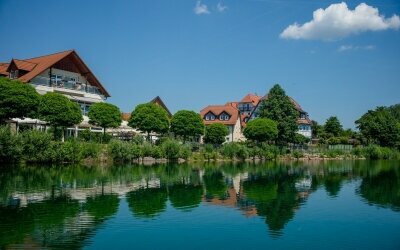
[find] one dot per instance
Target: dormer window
(224, 117)
(13, 74)
(210, 117)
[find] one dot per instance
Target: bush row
(36, 146)
(128, 151)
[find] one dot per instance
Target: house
(228, 115)
(235, 116)
(64, 73)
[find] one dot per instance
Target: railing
(63, 84)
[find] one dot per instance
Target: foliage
(37, 146)
(187, 123)
(261, 130)
(300, 139)
(229, 150)
(185, 152)
(333, 127)
(149, 118)
(119, 150)
(316, 129)
(297, 154)
(215, 134)
(380, 126)
(105, 115)
(10, 145)
(91, 150)
(279, 107)
(59, 111)
(17, 99)
(89, 136)
(171, 149)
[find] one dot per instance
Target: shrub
(119, 150)
(185, 152)
(171, 149)
(138, 139)
(157, 152)
(71, 151)
(229, 150)
(147, 150)
(207, 151)
(10, 145)
(90, 150)
(37, 146)
(333, 153)
(136, 151)
(297, 154)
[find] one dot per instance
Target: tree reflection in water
(60, 206)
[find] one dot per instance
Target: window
(13, 74)
(210, 117)
(224, 117)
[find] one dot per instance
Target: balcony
(64, 83)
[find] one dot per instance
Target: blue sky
(194, 53)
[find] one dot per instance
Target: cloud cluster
(201, 8)
(338, 21)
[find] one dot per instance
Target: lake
(283, 205)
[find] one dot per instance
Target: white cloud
(337, 21)
(221, 7)
(344, 48)
(201, 9)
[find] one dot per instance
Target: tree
(149, 117)
(187, 123)
(380, 126)
(333, 127)
(17, 100)
(316, 129)
(215, 133)
(279, 107)
(105, 115)
(59, 111)
(261, 130)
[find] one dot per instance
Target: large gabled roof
(159, 101)
(219, 109)
(37, 65)
(3, 69)
(251, 98)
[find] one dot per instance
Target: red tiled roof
(125, 116)
(233, 104)
(37, 65)
(254, 99)
(306, 121)
(219, 109)
(3, 69)
(24, 65)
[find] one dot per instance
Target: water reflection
(61, 206)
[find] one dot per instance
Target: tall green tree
(187, 123)
(380, 126)
(150, 117)
(17, 99)
(279, 107)
(333, 126)
(59, 111)
(105, 115)
(216, 133)
(261, 130)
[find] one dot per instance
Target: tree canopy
(17, 99)
(187, 123)
(261, 130)
(59, 111)
(279, 107)
(149, 117)
(105, 115)
(380, 126)
(215, 134)
(333, 127)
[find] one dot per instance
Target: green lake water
(318, 205)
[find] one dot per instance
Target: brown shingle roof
(24, 65)
(3, 69)
(219, 109)
(37, 65)
(254, 99)
(159, 101)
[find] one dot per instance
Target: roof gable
(159, 101)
